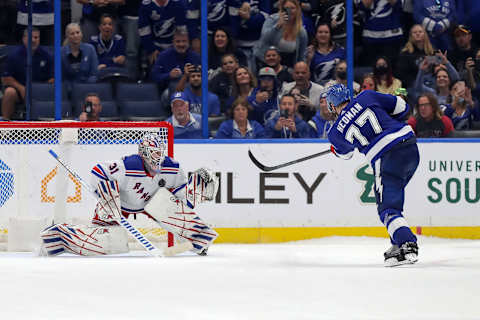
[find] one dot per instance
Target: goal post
(34, 190)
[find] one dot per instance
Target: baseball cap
(272, 48)
(462, 29)
(179, 96)
(267, 72)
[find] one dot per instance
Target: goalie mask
(153, 151)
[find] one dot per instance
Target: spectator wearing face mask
(341, 77)
(386, 82)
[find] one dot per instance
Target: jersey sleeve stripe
(99, 172)
(400, 106)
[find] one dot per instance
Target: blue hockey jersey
(382, 21)
(322, 66)
(42, 13)
(219, 14)
(156, 24)
(370, 123)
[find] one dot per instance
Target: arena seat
(45, 110)
(142, 111)
(80, 90)
(137, 92)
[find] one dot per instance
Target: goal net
(35, 190)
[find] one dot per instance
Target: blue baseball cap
(179, 96)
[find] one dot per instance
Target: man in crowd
(92, 108)
(186, 125)
(14, 76)
(191, 85)
(287, 124)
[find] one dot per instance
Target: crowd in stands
(269, 62)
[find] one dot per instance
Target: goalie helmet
(336, 95)
(153, 151)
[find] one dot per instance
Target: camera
(88, 107)
(284, 113)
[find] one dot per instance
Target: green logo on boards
(368, 181)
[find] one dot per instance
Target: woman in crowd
(382, 72)
(368, 82)
(239, 127)
(442, 84)
(428, 121)
(222, 83)
(79, 59)
(323, 55)
(221, 43)
(285, 31)
(243, 83)
(417, 47)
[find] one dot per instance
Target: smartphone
(289, 13)
(434, 59)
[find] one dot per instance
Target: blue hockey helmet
(336, 95)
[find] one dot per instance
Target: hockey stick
(151, 249)
(286, 164)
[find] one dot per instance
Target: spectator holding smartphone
(287, 124)
(285, 31)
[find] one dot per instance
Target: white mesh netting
(24, 151)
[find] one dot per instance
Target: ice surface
(330, 278)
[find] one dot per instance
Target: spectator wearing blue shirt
(92, 10)
(168, 67)
(191, 85)
(324, 55)
(436, 16)
(79, 60)
(110, 47)
(264, 98)
(287, 124)
(157, 21)
(239, 127)
(42, 18)
(186, 125)
(14, 76)
(323, 120)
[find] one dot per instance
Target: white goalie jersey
(136, 185)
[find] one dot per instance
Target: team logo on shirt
(155, 15)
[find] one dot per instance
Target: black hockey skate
(407, 253)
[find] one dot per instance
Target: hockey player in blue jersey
(371, 123)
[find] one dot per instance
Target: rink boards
(320, 197)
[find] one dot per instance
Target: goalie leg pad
(175, 217)
(83, 240)
(188, 226)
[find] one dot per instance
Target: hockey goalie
(149, 183)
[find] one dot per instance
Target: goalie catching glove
(202, 186)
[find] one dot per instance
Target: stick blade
(257, 163)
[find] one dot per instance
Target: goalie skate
(407, 253)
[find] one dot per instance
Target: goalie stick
(286, 164)
(147, 244)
